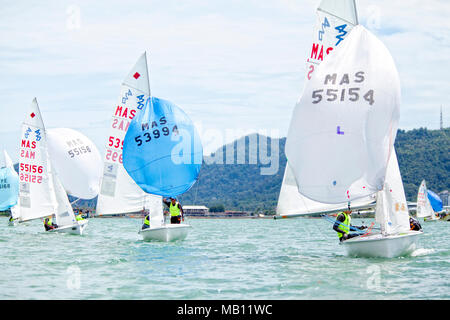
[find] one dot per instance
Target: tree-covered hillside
(422, 154)
(233, 181)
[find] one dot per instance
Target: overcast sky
(230, 65)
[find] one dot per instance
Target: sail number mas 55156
(342, 94)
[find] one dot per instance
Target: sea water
(220, 259)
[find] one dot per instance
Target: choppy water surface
(220, 259)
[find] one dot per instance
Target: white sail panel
(344, 126)
(36, 188)
(64, 213)
(154, 204)
(344, 9)
(118, 192)
(8, 161)
(292, 203)
(334, 21)
(77, 162)
(424, 208)
(392, 212)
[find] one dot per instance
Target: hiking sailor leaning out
(343, 225)
(175, 210)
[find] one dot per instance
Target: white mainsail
(36, 192)
(41, 193)
(392, 209)
(64, 215)
(8, 161)
(343, 128)
(424, 208)
(334, 20)
(118, 192)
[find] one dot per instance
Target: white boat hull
(377, 245)
(76, 228)
(166, 233)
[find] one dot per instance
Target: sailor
(343, 224)
(414, 224)
(175, 210)
(79, 217)
(49, 225)
(146, 224)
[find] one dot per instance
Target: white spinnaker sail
(334, 20)
(118, 192)
(36, 191)
(343, 128)
(76, 161)
(424, 208)
(291, 203)
(392, 209)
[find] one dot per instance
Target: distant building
(236, 213)
(195, 210)
(444, 197)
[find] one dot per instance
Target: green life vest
(146, 220)
(79, 217)
(344, 226)
(174, 210)
(48, 222)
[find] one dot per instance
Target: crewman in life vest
(175, 210)
(49, 225)
(343, 224)
(146, 224)
(414, 224)
(79, 217)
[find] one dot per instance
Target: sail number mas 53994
(338, 93)
(154, 131)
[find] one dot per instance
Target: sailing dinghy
(41, 193)
(424, 208)
(341, 138)
(162, 153)
(334, 20)
(9, 189)
(396, 238)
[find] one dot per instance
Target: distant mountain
(236, 182)
(422, 154)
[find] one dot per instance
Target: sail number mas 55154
(342, 94)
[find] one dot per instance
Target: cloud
(228, 64)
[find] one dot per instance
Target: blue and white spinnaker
(162, 151)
